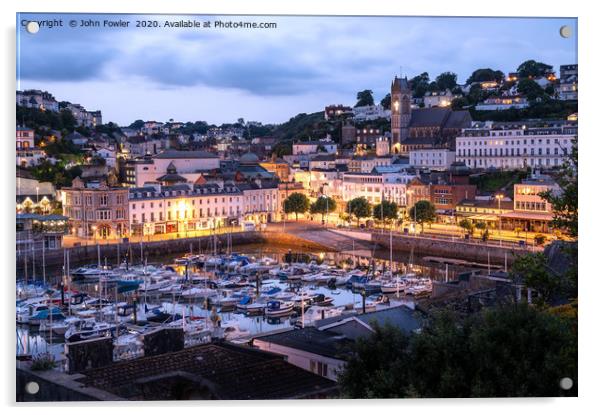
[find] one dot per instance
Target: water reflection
(31, 342)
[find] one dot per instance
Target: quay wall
(474, 252)
(110, 251)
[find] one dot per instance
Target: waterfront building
(179, 208)
(531, 212)
(96, 209)
(33, 196)
(512, 146)
(35, 232)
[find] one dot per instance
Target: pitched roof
(177, 154)
(312, 340)
(228, 371)
(429, 117)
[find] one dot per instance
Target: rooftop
(312, 340)
(213, 371)
(177, 154)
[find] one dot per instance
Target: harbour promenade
(294, 235)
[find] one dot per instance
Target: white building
(34, 98)
(108, 154)
(513, 147)
(502, 103)
(27, 154)
(375, 187)
(155, 209)
(434, 159)
(438, 99)
(189, 164)
(315, 146)
(370, 113)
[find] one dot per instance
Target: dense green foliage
(447, 80)
(323, 205)
(385, 211)
(505, 351)
(296, 203)
(566, 204)
(485, 75)
(37, 119)
(493, 181)
(360, 208)
(423, 212)
(547, 109)
(301, 126)
(57, 173)
(531, 68)
(364, 98)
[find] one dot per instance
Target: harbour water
(32, 342)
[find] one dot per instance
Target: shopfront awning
(528, 216)
(486, 218)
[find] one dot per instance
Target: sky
(221, 74)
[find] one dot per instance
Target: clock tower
(401, 111)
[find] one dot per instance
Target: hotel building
(506, 146)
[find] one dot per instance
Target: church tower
(401, 110)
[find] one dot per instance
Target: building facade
(515, 148)
(96, 210)
(434, 159)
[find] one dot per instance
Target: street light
(411, 193)
(499, 198)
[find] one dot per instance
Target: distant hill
(301, 126)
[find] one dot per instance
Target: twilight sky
(267, 75)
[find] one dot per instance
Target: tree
(531, 270)
(323, 205)
(467, 225)
(459, 103)
(506, 351)
(447, 80)
(360, 208)
(136, 125)
(424, 212)
(385, 211)
(485, 75)
(533, 69)
(386, 102)
(475, 94)
(530, 89)
(565, 203)
(432, 87)
(283, 148)
(419, 84)
(482, 226)
(364, 98)
(296, 203)
(380, 366)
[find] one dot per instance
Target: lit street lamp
(499, 198)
